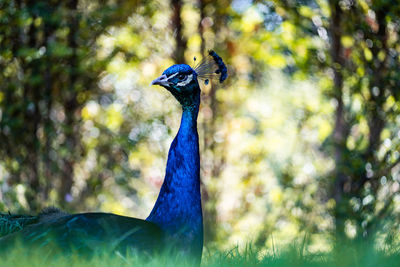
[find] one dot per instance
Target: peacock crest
(210, 67)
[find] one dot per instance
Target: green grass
(352, 256)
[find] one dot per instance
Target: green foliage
(48, 75)
(363, 88)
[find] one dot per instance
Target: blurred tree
(48, 74)
(212, 23)
(177, 28)
(361, 56)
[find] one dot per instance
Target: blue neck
(178, 207)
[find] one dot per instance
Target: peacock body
(175, 221)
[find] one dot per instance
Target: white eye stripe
(172, 76)
(186, 81)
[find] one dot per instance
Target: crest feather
(210, 67)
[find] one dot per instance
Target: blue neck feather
(178, 207)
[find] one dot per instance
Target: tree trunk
(33, 119)
(70, 106)
(341, 128)
(181, 43)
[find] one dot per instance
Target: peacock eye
(181, 76)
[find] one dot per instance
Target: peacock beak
(162, 80)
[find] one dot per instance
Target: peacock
(175, 222)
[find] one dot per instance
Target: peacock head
(182, 80)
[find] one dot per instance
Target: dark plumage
(175, 222)
(86, 234)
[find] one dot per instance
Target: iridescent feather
(12, 223)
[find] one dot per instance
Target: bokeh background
(300, 145)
